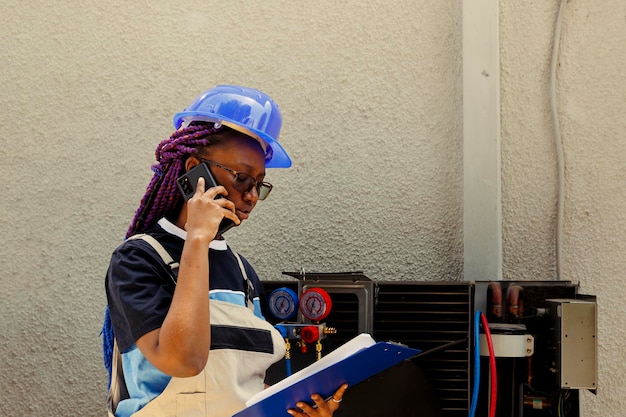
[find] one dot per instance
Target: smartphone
(187, 184)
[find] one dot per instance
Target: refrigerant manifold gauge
(283, 303)
(315, 304)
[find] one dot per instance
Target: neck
(182, 217)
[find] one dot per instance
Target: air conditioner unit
(439, 318)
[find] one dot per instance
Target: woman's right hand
(206, 209)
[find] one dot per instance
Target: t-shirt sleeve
(139, 290)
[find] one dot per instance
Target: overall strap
(164, 254)
(167, 259)
(117, 390)
(247, 284)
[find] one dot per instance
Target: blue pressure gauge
(283, 303)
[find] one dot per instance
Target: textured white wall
(371, 99)
(592, 105)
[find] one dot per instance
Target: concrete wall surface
(371, 95)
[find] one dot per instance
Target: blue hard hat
(244, 109)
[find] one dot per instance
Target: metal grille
(428, 316)
(421, 315)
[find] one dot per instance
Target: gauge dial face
(283, 303)
(315, 304)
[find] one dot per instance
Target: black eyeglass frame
(263, 188)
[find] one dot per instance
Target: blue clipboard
(353, 369)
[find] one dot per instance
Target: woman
(183, 353)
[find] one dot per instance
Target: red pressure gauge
(315, 304)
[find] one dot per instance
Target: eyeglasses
(243, 182)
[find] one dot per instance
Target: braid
(162, 196)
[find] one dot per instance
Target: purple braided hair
(162, 196)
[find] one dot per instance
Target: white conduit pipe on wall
(557, 141)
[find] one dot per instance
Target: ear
(191, 162)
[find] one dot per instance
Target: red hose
(492, 367)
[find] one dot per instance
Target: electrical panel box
(576, 329)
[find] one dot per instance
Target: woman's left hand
(322, 408)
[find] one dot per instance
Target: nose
(251, 196)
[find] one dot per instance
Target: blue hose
(283, 332)
(288, 366)
(476, 382)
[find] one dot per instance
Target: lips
(243, 215)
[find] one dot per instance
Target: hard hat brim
(278, 157)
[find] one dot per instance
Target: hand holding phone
(188, 182)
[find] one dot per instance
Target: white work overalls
(229, 379)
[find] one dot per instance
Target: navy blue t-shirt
(140, 287)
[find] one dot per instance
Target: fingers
(305, 409)
(205, 210)
(215, 194)
(230, 214)
(212, 193)
(321, 407)
(320, 404)
(199, 187)
(338, 395)
(228, 206)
